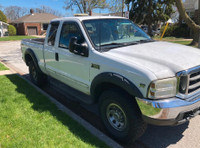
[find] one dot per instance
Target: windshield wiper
(145, 41)
(120, 44)
(110, 44)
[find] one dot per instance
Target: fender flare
(30, 52)
(117, 80)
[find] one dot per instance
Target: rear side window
(52, 33)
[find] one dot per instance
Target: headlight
(163, 88)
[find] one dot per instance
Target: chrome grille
(189, 83)
(194, 82)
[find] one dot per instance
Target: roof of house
(35, 18)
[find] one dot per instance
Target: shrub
(176, 30)
(11, 30)
(3, 18)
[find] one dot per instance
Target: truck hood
(164, 59)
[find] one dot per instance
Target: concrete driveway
(10, 54)
(183, 136)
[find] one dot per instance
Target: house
(191, 7)
(33, 24)
(3, 29)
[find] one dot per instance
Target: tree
(150, 11)
(3, 18)
(191, 24)
(85, 5)
(46, 9)
(117, 6)
(15, 12)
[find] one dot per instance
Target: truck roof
(87, 18)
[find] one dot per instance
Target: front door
(73, 69)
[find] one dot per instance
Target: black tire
(36, 76)
(121, 116)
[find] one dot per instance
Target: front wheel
(121, 116)
(36, 76)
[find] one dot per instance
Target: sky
(54, 4)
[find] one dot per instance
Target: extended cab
(111, 61)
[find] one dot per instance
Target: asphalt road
(182, 136)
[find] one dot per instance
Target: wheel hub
(116, 117)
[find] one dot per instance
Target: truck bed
(37, 40)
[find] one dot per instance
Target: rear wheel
(121, 116)
(36, 76)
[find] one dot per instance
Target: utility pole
(122, 8)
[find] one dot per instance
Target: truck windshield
(112, 33)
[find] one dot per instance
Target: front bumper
(171, 111)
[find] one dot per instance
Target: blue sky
(54, 4)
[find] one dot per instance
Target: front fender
(117, 80)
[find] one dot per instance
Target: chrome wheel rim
(116, 117)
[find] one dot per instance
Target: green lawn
(14, 38)
(168, 38)
(29, 119)
(2, 67)
(182, 42)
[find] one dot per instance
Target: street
(182, 136)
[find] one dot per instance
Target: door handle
(56, 57)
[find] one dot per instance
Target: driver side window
(68, 31)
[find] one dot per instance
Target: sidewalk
(6, 72)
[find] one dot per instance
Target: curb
(78, 119)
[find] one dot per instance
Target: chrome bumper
(172, 111)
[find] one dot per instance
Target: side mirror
(80, 49)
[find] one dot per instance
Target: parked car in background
(3, 29)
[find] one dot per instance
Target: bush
(11, 30)
(176, 30)
(3, 18)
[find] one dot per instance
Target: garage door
(32, 31)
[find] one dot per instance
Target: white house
(191, 7)
(3, 28)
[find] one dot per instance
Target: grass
(29, 119)
(15, 38)
(182, 42)
(168, 38)
(2, 67)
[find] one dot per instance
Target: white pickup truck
(112, 62)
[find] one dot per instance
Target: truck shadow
(43, 104)
(163, 136)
